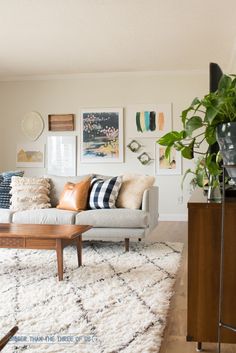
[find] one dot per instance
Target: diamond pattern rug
(116, 302)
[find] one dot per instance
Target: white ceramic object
(32, 125)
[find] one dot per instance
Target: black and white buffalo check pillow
(104, 192)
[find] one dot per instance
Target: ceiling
(57, 37)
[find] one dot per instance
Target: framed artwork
(149, 120)
(30, 155)
(61, 155)
(102, 135)
(165, 166)
(61, 122)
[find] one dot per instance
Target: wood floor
(174, 337)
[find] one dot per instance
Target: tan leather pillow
(75, 196)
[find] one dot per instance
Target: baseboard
(173, 217)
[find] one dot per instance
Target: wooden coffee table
(43, 236)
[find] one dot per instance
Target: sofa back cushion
(75, 196)
(29, 193)
(5, 187)
(104, 193)
(132, 189)
(57, 185)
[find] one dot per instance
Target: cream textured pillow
(29, 193)
(132, 189)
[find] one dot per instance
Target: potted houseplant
(205, 121)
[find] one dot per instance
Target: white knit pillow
(29, 193)
(132, 189)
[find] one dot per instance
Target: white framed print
(149, 120)
(61, 151)
(30, 155)
(165, 166)
(102, 135)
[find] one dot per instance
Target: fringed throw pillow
(29, 193)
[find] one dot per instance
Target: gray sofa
(108, 224)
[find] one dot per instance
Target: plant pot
(226, 138)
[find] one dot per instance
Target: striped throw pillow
(5, 187)
(104, 192)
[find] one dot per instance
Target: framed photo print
(165, 166)
(149, 120)
(30, 155)
(102, 135)
(61, 155)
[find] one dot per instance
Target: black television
(215, 74)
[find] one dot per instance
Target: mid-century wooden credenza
(204, 231)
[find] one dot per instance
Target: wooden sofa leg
(126, 244)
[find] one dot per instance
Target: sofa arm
(150, 204)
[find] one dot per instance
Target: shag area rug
(116, 302)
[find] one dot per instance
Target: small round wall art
(32, 125)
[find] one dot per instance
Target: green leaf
(183, 134)
(170, 138)
(225, 83)
(233, 84)
(212, 166)
(218, 157)
(200, 177)
(195, 101)
(210, 135)
(187, 152)
(188, 171)
(184, 115)
(192, 107)
(192, 124)
(178, 146)
(167, 152)
(211, 113)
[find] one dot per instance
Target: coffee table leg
(79, 249)
(59, 249)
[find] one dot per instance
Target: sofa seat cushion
(114, 234)
(113, 218)
(6, 215)
(44, 216)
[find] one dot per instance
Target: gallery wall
(71, 94)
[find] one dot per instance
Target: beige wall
(102, 90)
